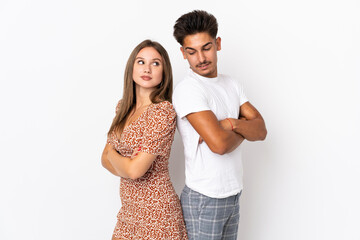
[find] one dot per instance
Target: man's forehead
(197, 40)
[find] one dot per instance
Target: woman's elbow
(135, 174)
(104, 162)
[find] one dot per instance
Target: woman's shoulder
(163, 108)
(165, 105)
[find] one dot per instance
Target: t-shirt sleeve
(242, 97)
(189, 98)
(160, 129)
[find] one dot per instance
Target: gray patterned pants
(210, 218)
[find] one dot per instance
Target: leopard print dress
(150, 206)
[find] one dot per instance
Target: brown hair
(163, 92)
(194, 22)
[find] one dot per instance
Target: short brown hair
(194, 22)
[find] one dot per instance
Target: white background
(61, 71)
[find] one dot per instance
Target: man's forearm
(251, 130)
(219, 139)
(236, 143)
(235, 138)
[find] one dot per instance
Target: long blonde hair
(163, 92)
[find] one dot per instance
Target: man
(214, 117)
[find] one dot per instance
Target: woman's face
(148, 68)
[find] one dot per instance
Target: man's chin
(202, 72)
(205, 73)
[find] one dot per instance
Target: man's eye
(207, 49)
(191, 53)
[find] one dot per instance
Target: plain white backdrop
(61, 72)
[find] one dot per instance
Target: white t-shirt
(211, 174)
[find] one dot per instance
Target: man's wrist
(232, 125)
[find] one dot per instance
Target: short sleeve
(242, 97)
(160, 129)
(189, 97)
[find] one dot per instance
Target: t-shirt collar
(205, 79)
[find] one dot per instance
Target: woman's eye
(156, 63)
(140, 62)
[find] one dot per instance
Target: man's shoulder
(189, 95)
(188, 80)
(188, 85)
(227, 78)
(231, 82)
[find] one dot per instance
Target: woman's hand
(136, 152)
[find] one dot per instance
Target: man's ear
(218, 43)
(183, 52)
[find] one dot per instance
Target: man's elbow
(219, 149)
(261, 135)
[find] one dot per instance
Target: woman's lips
(146, 78)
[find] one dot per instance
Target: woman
(138, 149)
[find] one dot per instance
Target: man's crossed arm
(226, 135)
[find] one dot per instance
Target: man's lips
(203, 66)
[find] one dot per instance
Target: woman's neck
(142, 98)
(142, 103)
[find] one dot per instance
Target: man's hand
(250, 123)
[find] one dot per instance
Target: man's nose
(201, 57)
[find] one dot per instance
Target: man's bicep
(248, 111)
(205, 123)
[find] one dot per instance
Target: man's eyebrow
(207, 44)
(190, 48)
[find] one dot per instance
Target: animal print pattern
(150, 206)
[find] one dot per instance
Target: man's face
(200, 49)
